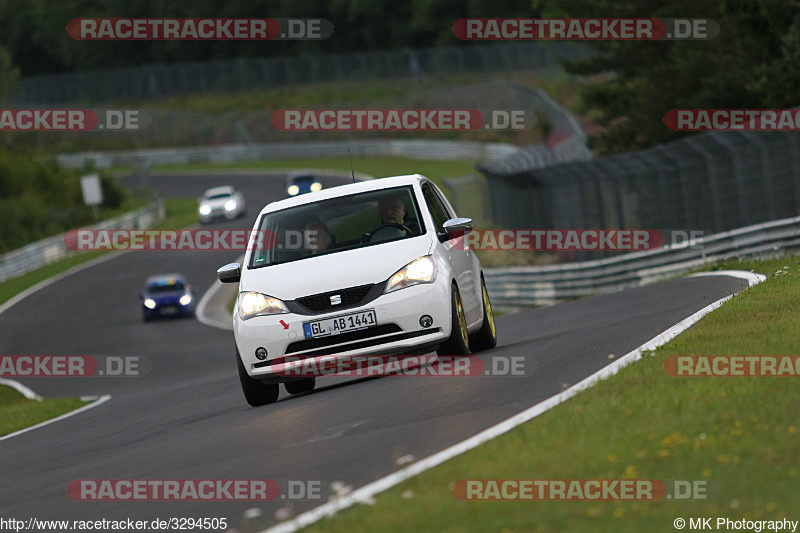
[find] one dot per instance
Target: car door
(462, 261)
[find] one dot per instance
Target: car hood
(340, 270)
(216, 202)
(158, 296)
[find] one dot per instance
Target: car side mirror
(230, 273)
(457, 225)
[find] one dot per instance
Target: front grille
(311, 344)
(322, 302)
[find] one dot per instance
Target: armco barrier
(46, 251)
(545, 285)
(420, 149)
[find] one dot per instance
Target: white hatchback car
(376, 267)
(221, 202)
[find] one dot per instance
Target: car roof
(225, 189)
(164, 277)
(345, 190)
(301, 172)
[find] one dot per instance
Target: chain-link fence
(566, 141)
(709, 182)
(253, 74)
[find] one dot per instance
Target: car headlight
(230, 205)
(422, 270)
(293, 190)
(316, 186)
(253, 304)
(204, 209)
(150, 303)
(186, 299)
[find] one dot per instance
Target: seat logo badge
(336, 299)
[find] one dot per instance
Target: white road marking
(20, 388)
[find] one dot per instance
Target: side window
(449, 213)
(435, 207)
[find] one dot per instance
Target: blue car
(302, 183)
(166, 295)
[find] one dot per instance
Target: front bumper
(169, 309)
(219, 212)
(398, 330)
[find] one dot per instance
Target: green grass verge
(344, 92)
(179, 214)
(375, 166)
(740, 433)
(17, 412)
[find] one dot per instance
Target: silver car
(221, 202)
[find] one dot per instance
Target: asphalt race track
(187, 418)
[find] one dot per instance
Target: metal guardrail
(421, 149)
(545, 285)
(46, 251)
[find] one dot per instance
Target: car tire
(458, 342)
(301, 385)
(255, 392)
(486, 337)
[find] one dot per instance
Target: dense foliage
(752, 63)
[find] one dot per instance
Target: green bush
(40, 199)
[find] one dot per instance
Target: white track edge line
(20, 388)
(101, 400)
(365, 493)
(203, 303)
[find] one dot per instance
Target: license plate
(168, 310)
(339, 324)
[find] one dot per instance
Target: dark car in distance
(166, 295)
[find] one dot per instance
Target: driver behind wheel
(317, 236)
(392, 210)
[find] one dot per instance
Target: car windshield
(303, 179)
(219, 196)
(165, 286)
(338, 224)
